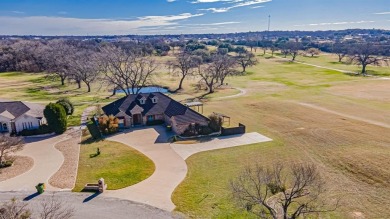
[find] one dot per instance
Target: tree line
(125, 66)
(129, 66)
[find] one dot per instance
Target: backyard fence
(234, 130)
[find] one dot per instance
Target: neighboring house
(15, 116)
(143, 109)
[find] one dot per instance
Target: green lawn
(120, 165)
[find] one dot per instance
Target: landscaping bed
(19, 166)
(65, 177)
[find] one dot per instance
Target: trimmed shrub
(68, 106)
(155, 122)
(56, 118)
(197, 129)
(6, 164)
(215, 123)
(44, 129)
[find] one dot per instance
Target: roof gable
(15, 108)
(7, 114)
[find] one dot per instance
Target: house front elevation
(16, 116)
(153, 108)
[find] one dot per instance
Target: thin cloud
(45, 25)
(216, 24)
(382, 13)
(234, 4)
(17, 12)
(334, 23)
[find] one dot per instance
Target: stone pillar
(102, 186)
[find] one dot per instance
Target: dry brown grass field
(337, 121)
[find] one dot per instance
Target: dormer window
(142, 100)
(153, 98)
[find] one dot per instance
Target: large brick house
(148, 108)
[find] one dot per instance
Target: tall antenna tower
(269, 25)
(269, 22)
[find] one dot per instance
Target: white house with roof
(16, 116)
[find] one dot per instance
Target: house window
(4, 126)
(154, 100)
(121, 122)
(150, 118)
(142, 101)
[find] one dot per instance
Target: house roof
(15, 109)
(165, 105)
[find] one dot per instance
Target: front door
(137, 119)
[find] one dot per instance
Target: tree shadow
(89, 198)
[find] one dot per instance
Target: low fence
(241, 129)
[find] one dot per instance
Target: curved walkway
(171, 168)
(47, 161)
(242, 93)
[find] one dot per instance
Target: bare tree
(279, 193)
(273, 48)
(14, 209)
(85, 67)
(293, 48)
(313, 51)
(340, 50)
(126, 70)
(215, 72)
(364, 55)
(58, 59)
(246, 59)
(184, 65)
(9, 145)
(52, 208)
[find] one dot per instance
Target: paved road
(171, 168)
(47, 161)
(87, 206)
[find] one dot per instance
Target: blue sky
(105, 17)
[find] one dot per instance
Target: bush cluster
(56, 118)
(155, 122)
(43, 129)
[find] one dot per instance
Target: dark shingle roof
(18, 108)
(165, 105)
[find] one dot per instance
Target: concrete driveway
(186, 150)
(171, 168)
(47, 161)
